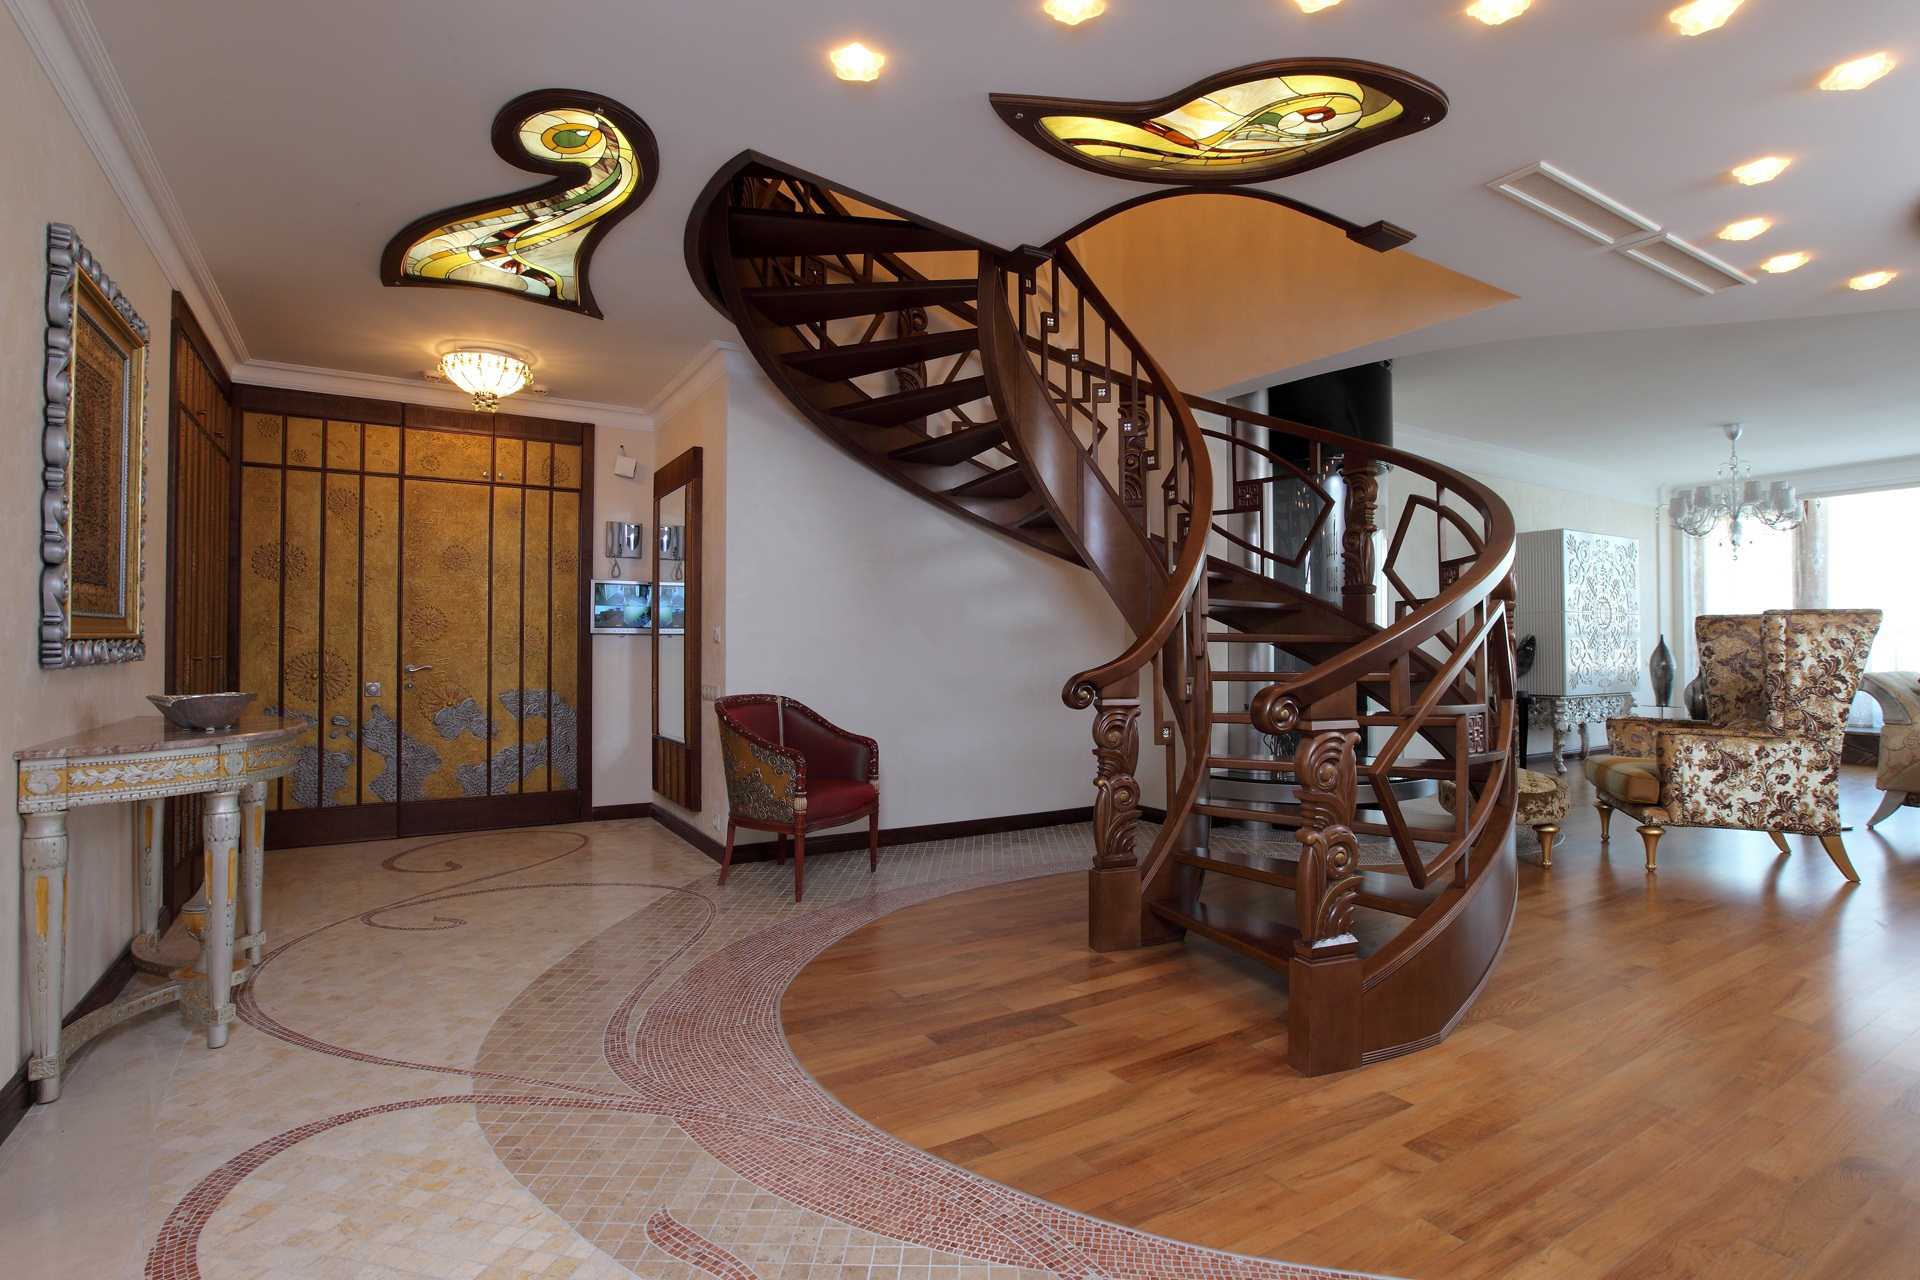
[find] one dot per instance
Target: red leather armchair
(790, 770)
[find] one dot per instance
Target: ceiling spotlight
(1315, 6)
(1495, 12)
(1702, 16)
(1871, 280)
(489, 376)
(1765, 169)
(1859, 73)
(1075, 12)
(857, 62)
(1745, 229)
(1781, 263)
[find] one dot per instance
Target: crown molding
(69, 49)
(378, 386)
(1482, 460)
(715, 361)
(1837, 480)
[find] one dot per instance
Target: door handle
(412, 667)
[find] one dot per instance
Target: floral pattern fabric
(1732, 658)
(1898, 693)
(1751, 782)
(763, 782)
(1814, 658)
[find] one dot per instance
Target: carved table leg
(253, 858)
(43, 895)
(1583, 740)
(148, 819)
(223, 874)
(1559, 749)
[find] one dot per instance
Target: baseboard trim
(16, 1096)
(850, 838)
(616, 812)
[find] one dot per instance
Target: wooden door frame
(467, 813)
(186, 325)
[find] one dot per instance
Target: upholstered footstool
(1542, 805)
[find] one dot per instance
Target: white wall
(622, 756)
(55, 179)
(1518, 479)
(945, 641)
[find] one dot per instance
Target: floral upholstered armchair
(1767, 758)
(791, 770)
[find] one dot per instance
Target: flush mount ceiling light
(1745, 229)
(1871, 280)
(857, 62)
(1315, 6)
(1781, 263)
(1858, 73)
(1702, 16)
(1495, 12)
(1755, 172)
(1074, 12)
(487, 374)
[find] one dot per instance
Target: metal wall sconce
(625, 541)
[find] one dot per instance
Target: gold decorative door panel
(412, 592)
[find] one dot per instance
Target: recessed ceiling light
(1781, 263)
(1074, 12)
(857, 62)
(1702, 16)
(1871, 280)
(1495, 12)
(1765, 169)
(1858, 73)
(1745, 229)
(1315, 6)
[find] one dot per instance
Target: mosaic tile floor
(553, 1052)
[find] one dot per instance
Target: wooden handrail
(1278, 707)
(1082, 688)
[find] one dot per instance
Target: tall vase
(1660, 668)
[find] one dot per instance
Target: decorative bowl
(204, 712)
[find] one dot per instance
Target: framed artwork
(622, 607)
(94, 442)
(537, 244)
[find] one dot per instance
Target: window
(1865, 569)
(1759, 578)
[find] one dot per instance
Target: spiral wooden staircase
(1001, 385)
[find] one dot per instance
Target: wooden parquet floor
(1711, 1072)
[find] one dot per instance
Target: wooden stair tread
(1007, 482)
(1252, 763)
(1378, 891)
(1271, 637)
(1253, 606)
(805, 303)
(1259, 677)
(920, 402)
(771, 233)
(836, 364)
(1250, 811)
(1265, 940)
(954, 447)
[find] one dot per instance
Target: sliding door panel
(415, 596)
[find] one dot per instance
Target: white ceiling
(298, 138)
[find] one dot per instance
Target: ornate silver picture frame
(94, 445)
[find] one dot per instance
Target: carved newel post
(1360, 522)
(1323, 978)
(1113, 897)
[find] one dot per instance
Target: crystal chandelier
(1733, 496)
(487, 375)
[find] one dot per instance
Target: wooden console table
(142, 761)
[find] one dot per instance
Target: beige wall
(1223, 289)
(53, 178)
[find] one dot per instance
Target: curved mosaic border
(709, 1055)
